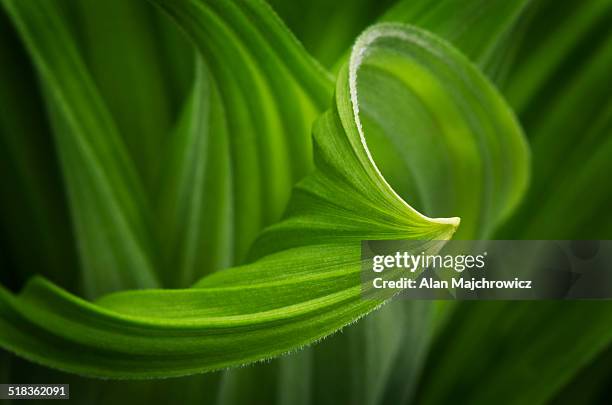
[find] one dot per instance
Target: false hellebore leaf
(303, 279)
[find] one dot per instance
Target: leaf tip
(450, 226)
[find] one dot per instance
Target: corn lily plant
(186, 184)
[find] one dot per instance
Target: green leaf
(108, 206)
(268, 91)
(306, 283)
(461, 161)
(551, 59)
(121, 44)
(343, 21)
(34, 220)
(477, 27)
(456, 157)
(550, 43)
(568, 124)
(533, 348)
(195, 209)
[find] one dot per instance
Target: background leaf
(108, 207)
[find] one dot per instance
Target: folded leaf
(442, 149)
(412, 153)
(306, 283)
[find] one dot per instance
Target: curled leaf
(305, 281)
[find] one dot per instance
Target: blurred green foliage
(198, 140)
